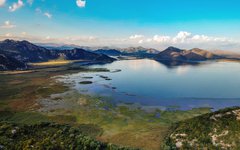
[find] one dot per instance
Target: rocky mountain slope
(76, 54)
(15, 54)
(172, 53)
(25, 51)
(217, 130)
(110, 52)
(9, 63)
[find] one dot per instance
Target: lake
(154, 84)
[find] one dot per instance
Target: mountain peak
(9, 41)
(175, 49)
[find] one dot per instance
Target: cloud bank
(182, 39)
(16, 6)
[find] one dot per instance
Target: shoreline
(120, 124)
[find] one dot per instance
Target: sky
(208, 24)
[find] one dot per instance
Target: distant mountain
(110, 52)
(227, 54)
(173, 53)
(205, 53)
(77, 54)
(26, 52)
(9, 63)
(139, 50)
(55, 46)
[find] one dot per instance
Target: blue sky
(151, 23)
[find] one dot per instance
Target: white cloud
(2, 2)
(24, 33)
(8, 35)
(181, 36)
(8, 25)
(81, 3)
(48, 15)
(159, 42)
(48, 37)
(140, 41)
(182, 39)
(149, 40)
(204, 38)
(200, 38)
(16, 6)
(133, 37)
(160, 39)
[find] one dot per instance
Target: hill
(109, 52)
(217, 130)
(76, 54)
(139, 49)
(25, 51)
(172, 53)
(206, 54)
(139, 52)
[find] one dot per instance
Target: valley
(85, 90)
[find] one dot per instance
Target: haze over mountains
(26, 52)
(15, 55)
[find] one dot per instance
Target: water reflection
(152, 83)
(173, 63)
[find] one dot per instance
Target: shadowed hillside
(17, 53)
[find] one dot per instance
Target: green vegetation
(126, 124)
(218, 130)
(48, 136)
(36, 97)
(23, 117)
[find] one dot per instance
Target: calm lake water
(150, 83)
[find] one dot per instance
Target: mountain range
(15, 55)
(139, 52)
(23, 52)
